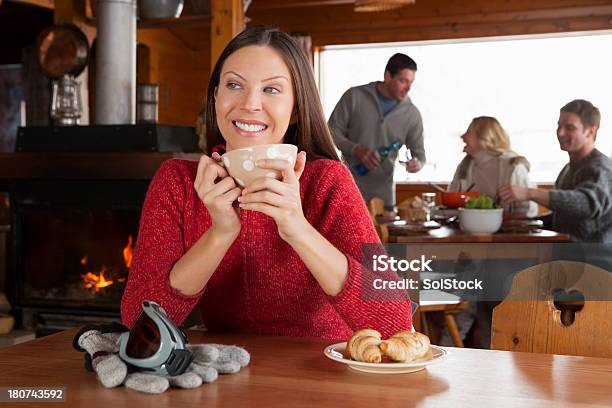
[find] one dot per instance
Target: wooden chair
(376, 207)
(448, 310)
(530, 319)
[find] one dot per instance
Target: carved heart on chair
(568, 304)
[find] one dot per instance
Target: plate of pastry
(404, 352)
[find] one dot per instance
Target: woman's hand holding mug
(279, 199)
(218, 191)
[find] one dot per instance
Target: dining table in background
(446, 234)
(293, 372)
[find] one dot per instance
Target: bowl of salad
(480, 216)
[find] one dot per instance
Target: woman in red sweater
(288, 260)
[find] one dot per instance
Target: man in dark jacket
(582, 198)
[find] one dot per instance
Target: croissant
(406, 346)
(363, 346)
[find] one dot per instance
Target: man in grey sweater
(582, 198)
(373, 116)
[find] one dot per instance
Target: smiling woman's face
(472, 143)
(254, 100)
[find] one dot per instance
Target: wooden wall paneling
(73, 11)
(37, 90)
(174, 55)
(227, 20)
(180, 64)
(146, 70)
(439, 19)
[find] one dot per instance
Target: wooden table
(455, 235)
(292, 372)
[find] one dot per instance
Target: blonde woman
(490, 163)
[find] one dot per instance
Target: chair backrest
(559, 307)
(376, 207)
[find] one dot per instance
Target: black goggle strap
(178, 361)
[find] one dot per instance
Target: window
(522, 81)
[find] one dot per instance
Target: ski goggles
(155, 343)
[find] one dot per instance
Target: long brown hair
(310, 132)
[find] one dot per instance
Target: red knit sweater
(261, 285)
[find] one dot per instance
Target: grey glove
(209, 360)
(224, 359)
(103, 349)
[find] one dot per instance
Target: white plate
(337, 352)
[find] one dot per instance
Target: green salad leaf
(482, 202)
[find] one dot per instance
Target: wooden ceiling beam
(281, 4)
(301, 22)
(48, 4)
(425, 21)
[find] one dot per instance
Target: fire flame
(127, 253)
(96, 282)
(99, 281)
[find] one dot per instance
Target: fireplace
(72, 247)
(74, 223)
(76, 193)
